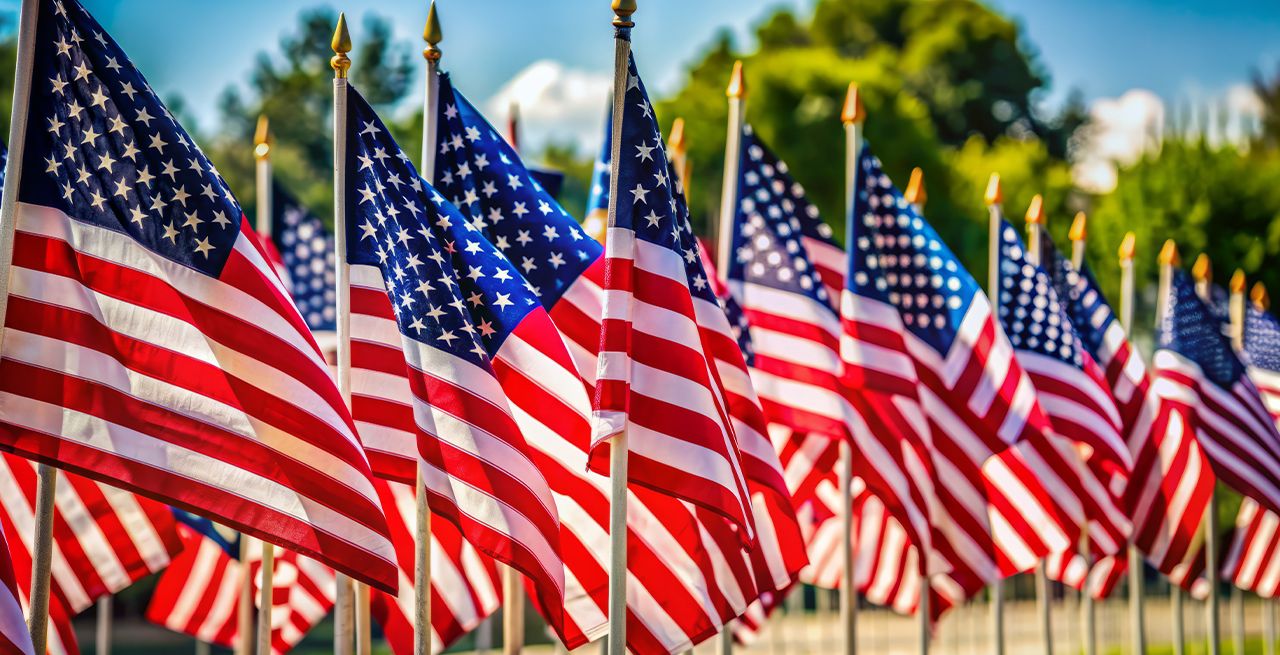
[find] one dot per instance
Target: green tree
(294, 89)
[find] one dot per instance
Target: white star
(366, 194)
(58, 83)
(122, 188)
(486, 328)
(192, 221)
(639, 193)
(90, 135)
(144, 117)
(127, 89)
(99, 99)
(138, 215)
(220, 219)
(523, 237)
(145, 176)
(557, 260)
(489, 189)
(170, 170)
(502, 275)
(653, 218)
(181, 195)
(513, 181)
(417, 325)
(447, 337)
(519, 210)
(98, 201)
(370, 128)
(646, 152)
(203, 247)
(170, 233)
(131, 151)
(503, 301)
(157, 143)
(527, 264)
(544, 207)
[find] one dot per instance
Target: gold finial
(852, 111)
(994, 195)
(622, 10)
(432, 34)
(677, 137)
(737, 86)
(1078, 227)
(1035, 211)
(1237, 281)
(1169, 254)
(1258, 294)
(261, 139)
(915, 193)
(341, 45)
(1202, 270)
(1129, 245)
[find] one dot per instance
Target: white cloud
(556, 104)
(1122, 129)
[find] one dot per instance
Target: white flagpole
(993, 198)
(265, 597)
(42, 553)
(432, 34)
(1235, 311)
(1262, 302)
(618, 448)
(1137, 623)
(1202, 271)
(916, 195)
(244, 604)
(1168, 259)
(343, 638)
(852, 116)
(512, 612)
(1035, 225)
(261, 153)
(102, 638)
(1088, 610)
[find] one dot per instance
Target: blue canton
(1028, 306)
(226, 539)
(450, 287)
(306, 248)
(484, 178)
(1086, 307)
(771, 218)
(1261, 338)
(651, 202)
(896, 257)
(103, 149)
(1191, 329)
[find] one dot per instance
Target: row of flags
(154, 342)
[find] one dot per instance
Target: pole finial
(341, 45)
(1079, 227)
(1258, 294)
(1035, 211)
(994, 194)
(1202, 269)
(852, 112)
(915, 193)
(1237, 281)
(1128, 246)
(433, 35)
(622, 10)
(678, 146)
(262, 139)
(1169, 254)
(737, 85)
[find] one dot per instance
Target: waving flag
(688, 572)
(1199, 377)
(1168, 490)
(917, 326)
(14, 637)
(148, 342)
(441, 322)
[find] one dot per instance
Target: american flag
(14, 637)
(442, 326)
(688, 573)
(306, 254)
(1168, 490)
(792, 341)
(1200, 377)
(917, 325)
(656, 378)
(148, 343)
(1075, 395)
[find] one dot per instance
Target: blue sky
(1174, 48)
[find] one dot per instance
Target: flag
(688, 572)
(917, 327)
(1200, 377)
(306, 255)
(656, 377)
(439, 313)
(14, 637)
(1168, 490)
(791, 337)
(148, 343)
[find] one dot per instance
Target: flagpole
(618, 448)
(262, 155)
(1235, 311)
(917, 196)
(1137, 621)
(432, 34)
(993, 198)
(244, 605)
(852, 115)
(42, 552)
(102, 638)
(1089, 618)
(343, 640)
(1168, 259)
(736, 92)
(512, 612)
(1044, 612)
(1262, 302)
(265, 597)
(1202, 271)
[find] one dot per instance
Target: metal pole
(1269, 626)
(915, 194)
(102, 645)
(202, 647)
(852, 116)
(736, 93)
(343, 638)
(265, 598)
(1043, 611)
(1235, 311)
(244, 605)
(993, 198)
(618, 448)
(1137, 598)
(261, 153)
(42, 557)
(512, 612)
(1203, 273)
(1088, 611)
(1168, 259)
(363, 618)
